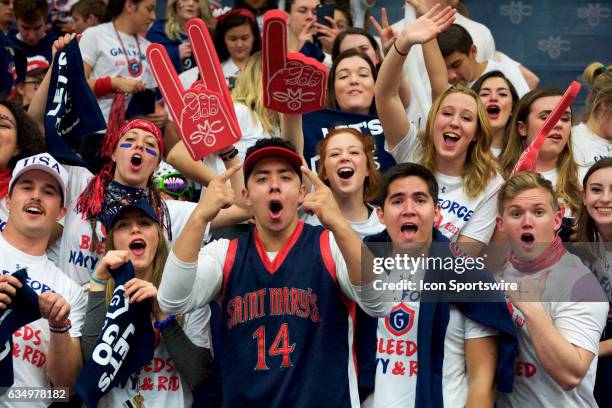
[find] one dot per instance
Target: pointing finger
(314, 179)
(229, 172)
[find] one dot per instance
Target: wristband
(397, 50)
(61, 329)
(229, 155)
(93, 278)
(103, 86)
(164, 323)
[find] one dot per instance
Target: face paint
(151, 151)
(125, 145)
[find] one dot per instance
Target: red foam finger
(203, 119)
(274, 42)
(169, 83)
(205, 54)
(527, 161)
(292, 82)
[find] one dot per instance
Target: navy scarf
(22, 310)
(125, 344)
(72, 111)
(433, 321)
(11, 56)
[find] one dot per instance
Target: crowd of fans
(246, 274)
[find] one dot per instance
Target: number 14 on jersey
(280, 346)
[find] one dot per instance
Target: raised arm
(388, 103)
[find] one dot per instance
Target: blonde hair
(524, 181)
(248, 91)
(479, 167)
(161, 254)
(173, 28)
(568, 187)
(599, 78)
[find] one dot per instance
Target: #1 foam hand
(527, 161)
(204, 114)
(292, 82)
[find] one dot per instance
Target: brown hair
(586, 230)
(331, 81)
(372, 181)
(523, 181)
(568, 187)
(479, 167)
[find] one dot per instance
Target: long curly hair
(30, 139)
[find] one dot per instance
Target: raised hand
(54, 308)
(327, 34)
(111, 260)
(204, 114)
(218, 195)
(427, 27)
(8, 289)
(321, 202)
(292, 82)
(137, 290)
(385, 31)
(61, 43)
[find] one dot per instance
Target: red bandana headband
(109, 144)
(91, 199)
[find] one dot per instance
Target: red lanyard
(134, 67)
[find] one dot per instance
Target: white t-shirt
(371, 226)
(581, 323)
(461, 215)
(496, 151)
(511, 71)
(588, 147)
(230, 71)
(397, 346)
(78, 257)
(161, 384)
(31, 342)
(602, 268)
(102, 50)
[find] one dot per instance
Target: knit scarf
(546, 259)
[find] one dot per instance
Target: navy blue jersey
(286, 338)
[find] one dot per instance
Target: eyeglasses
(174, 185)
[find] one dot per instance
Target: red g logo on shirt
(400, 320)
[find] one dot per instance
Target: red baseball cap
(271, 151)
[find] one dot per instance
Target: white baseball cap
(44, 162)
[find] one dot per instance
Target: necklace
(138, 399)
(133, 64)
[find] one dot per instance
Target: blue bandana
(22, 310)
(125, 344)
(72, 109)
